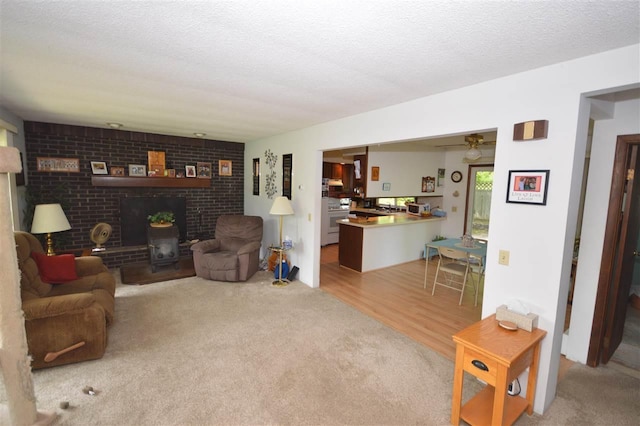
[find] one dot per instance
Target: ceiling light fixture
(473, 153)
(114, 125)
(200, 135)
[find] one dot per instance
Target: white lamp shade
(281, 207)
(473, 154)
(49, 218)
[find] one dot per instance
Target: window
(395, 201)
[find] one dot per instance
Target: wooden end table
(496, 356)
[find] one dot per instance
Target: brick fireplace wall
(85, 204)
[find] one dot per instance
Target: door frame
(603, 312)
(466, 204)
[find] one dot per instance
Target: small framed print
(386, 186)
(117, 171)
(287, 170)
(256, 176)
(428, 184)
(52, 164)
(156, 160)
(170, 173)
(99, 168)
(137, 170)
(224, 167)
(528, 186)
(375, 173)
(190, 171)
(157, 169)
(204, 170)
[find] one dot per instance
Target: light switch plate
(503, 257)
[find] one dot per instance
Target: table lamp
(281, 207)
(47, 219)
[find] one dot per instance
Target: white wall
(404, 171)
(539, 238)
(626, 120)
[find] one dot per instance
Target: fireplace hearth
(163, 246)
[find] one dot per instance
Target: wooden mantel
(150, 182)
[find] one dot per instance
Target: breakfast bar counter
(377, 242)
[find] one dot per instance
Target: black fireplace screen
(134, 212)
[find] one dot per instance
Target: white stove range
(333, 209)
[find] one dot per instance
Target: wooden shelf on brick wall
(150, 182)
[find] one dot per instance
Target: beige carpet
(628, 353)
(197, 352)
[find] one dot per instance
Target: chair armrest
(249, 247)
(206, 246)
(45, 307)
(89, 265)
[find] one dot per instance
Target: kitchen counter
(391, 219)
(384, 241)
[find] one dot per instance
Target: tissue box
(526, 322)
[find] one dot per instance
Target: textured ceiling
(244, 70)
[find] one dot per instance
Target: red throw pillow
(56, 269)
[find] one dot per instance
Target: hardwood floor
(395, 296)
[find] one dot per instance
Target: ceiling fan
(472, 141)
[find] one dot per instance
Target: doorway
(478, 207)
(619, 253)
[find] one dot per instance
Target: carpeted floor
(628, 353)
(197, 352)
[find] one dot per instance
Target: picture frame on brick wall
(204, 170)
(54, 164)
(224, 167)
(117, 171)
(137, 170)
(99, 168)
(190, 171)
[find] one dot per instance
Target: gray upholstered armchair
(234, 254)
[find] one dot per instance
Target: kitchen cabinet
(385, 240)
(336, 171)
(332, 170)
(347, 177)
(326, 170)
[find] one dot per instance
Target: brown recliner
(62, 315)
(234, 253)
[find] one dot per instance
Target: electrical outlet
(309, 217)
(503, 257)
(454, 209)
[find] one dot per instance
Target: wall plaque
(54, 164)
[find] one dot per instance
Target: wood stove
(163, 246)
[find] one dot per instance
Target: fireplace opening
(134, 212)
